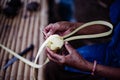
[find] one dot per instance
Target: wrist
(86, 66)
(92, 67)
(89, 66)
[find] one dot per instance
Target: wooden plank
(2, 39)
(11, 42)
(18, 41)
(29, 41)
(9, 45)
(15, 33)
(35, 38)
(2, 18)
(25, 26)
(7, 30)
(29, 54)
(21, 33)
(23, 45)
(43, 19)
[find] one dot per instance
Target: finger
(51, 58)
(54, 55)
(50, 51)
(48, 30)
(57, 60)
(51, 32)
(69, 48)
(44, 33)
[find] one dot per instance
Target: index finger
(48, 30)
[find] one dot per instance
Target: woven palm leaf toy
(56, 42)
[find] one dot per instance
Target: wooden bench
(17, 34)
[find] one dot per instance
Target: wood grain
(17, 34)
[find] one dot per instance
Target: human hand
(60, 28)
(73, 59)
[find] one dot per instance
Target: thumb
(51, 32)
(69, 48)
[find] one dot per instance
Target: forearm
(108, 72)
(104, 71)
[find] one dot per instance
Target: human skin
(62, 28)
(75, 60)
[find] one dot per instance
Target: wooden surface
(17, 34)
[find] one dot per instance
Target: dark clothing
(54, 71)
(106, 53)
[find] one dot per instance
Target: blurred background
(79, 10)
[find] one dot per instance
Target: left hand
(73, 59)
